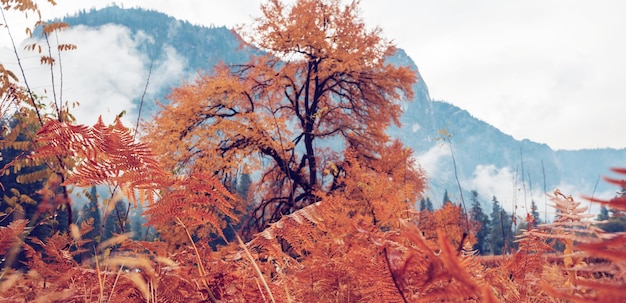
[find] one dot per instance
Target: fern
(103, 155)
(527, 265)
(339, 257)
(11, 237)
(197, 201)
(594, 262)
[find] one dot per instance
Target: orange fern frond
(11, 234)
(297, 229)
(447, 276)
(196, 200)
(525, 268)
(602, 278)
(593, 263)
(103, 155)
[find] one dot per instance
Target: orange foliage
(103, 155)
(362, 242)
(335, 227)
(449, 220)
(324, 77)
(109, 155)
(197, 201)
(382, 189)
(335, 255)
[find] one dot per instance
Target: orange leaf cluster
(103, 155)
(195, 200)
(324, 79)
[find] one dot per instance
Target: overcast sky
(546, 70)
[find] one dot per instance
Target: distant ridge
(487, 160)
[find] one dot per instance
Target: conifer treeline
(495, 231)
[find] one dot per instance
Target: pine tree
(500, 235)
(446, 198)
(117, 221)
(137, 220)
(60, 219)
(426, 204)
(479, 217)
(422, 205)
(92, 210)
(616, 219)
(243, 185)
(429, 205)
(615, 213)
(604, 213)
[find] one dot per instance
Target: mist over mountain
(487, 160)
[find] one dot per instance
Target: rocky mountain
(492, 162)
(448, 142)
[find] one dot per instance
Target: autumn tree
(383, 190)
(323, 81)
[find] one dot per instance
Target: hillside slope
(487, 160)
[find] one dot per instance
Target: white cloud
(490, 181)
(431, 160)
(503, 183)
(415, 127)
(168, 71)
(104, 74)
(545, 70)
